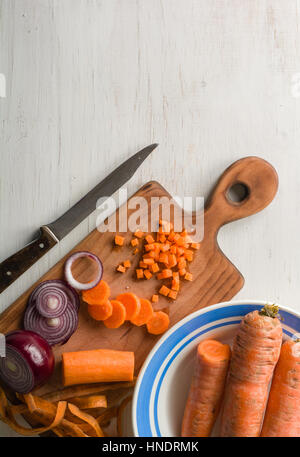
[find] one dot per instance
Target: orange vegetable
(148, 274)
(173, 294)
(164, 291)
(188, 277)
(127, 263)
(282, 418)
(90, 402)
(181, 263)
(154, 298)
(182, 272)
(139, 273)
(164, 258)
(189, 255)
(154, 268)
(207, 387)
(119, 240)
(146, 312)
(118, 315)
(134, 242)
(175, 285)
(158, 323)
(100, 312)
(121, 268)
(139, 234)
(167, 273)
(172, 262)
(97, 295)
(149, 261)
(135, 251)
(195, 245)
(149, 247)
(132, 304)
(98, 365)
(255, 352)
(150, 239)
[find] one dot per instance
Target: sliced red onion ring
(55, 330)
(29, 361)
(47, 292)
(70, 278)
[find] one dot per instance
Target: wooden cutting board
(216, 279)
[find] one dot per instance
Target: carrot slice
(97, 295)
(158, 323)
(132, 304)
(98, 365)
(119, 240)
(146, 312)
(118, 315)
(100, 312)
(86, 418)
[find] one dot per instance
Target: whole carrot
(282, 416)
(255, 353)
(207, 388)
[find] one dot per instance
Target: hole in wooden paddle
(237, 193)
(84, 269)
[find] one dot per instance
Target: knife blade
(52, 233)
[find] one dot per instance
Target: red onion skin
(36, 351)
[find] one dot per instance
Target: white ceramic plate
(165, 377)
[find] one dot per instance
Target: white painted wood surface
(89, 82)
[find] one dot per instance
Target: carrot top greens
(270, 311)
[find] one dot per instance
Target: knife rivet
(8, 273)
(41, 245)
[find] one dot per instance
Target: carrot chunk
(127, 263)
(135, 251)
(149, 247)
(158, 323)
(154, 268)
(148, 274)
(182, 272)
(146, 312)
(149, 261)
(181, 263)
(98, 365)
(154, 298)
(150, 239)
(189, 255)
(139, 273)
(132, 304)
(175, 285)
(98, 294)
(167, 273)
(164, 290)
(118, 315)
(163, 258)
(119, 240)
(172, 262)
(121, 268)
(195, 245)
(188, 276)
(143, 264)
(173, 294)
(139, 234)
(134, 242)
(100, 312)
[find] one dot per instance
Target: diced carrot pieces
(171, 236)
(121, 268)
(150, 239)
(189, 255)
(145, 314)
(119, 240)
(132, 304)
(134, 242)
(175, 284)
(164, 290)
(181, 263)
(165, 247)
(118, 315)
(154, 298)
(143, 264)
(163, 258)
(135, 251)
(173, 294)
(160, 276)
(162, 238)
(154, 268)
(158, 323)
(100, 312)
(148, 274)
(139, 234)
(173, 249)
(127, 263)
(172, 262)
(149, 261)
(98, 294)
(167, 273)
(180, 241)
(182, 272)
(139, 273)
(176, 237)
(175, 274)
(195, 245)
(180, 251)
(149, 247)
(188, 277)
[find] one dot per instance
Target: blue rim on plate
(145, 401)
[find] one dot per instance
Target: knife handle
(17, 264)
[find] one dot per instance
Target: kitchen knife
(51, 234)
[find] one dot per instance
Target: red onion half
(69, 275)
(29, 361)
(51, 297)
(56, 330)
